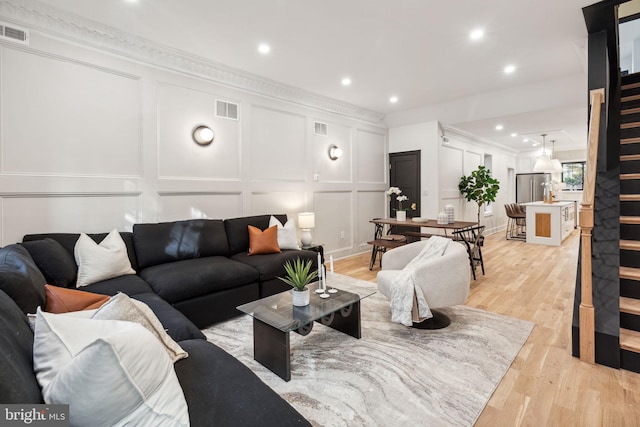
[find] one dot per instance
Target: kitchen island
(550, 223)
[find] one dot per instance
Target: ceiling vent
(14, 33)
(320, 129)
(225, 109)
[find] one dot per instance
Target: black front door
(404, 173)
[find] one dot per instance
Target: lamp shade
(557, 166)
(307, 220)
(543, 164)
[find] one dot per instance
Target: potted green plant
(479, 187)
(299, 275)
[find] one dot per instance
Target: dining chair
(473, 239)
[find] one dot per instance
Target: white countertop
(549, 205)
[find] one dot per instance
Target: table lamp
(306, 221)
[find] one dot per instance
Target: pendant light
(557, 166)
(544, 163)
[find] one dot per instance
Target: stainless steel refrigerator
(529, 186)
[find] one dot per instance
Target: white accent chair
(444, 280)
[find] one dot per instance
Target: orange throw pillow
(63, 300)
(263, 242)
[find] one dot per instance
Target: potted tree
(479, 187)
(299, 275)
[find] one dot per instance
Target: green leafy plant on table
(299, 274)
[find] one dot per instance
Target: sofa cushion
(101, 369)
(21, 279)
(68, 242)
(56, 264)
(287, 236)
(191, 278)
(238, 234)
(263, 242)
(129, 284)
(270, 266)
(18, 384)
(64, 300)
(221, 391)
(101, 261)
(174, 241)
(174, 322)
(121, 307)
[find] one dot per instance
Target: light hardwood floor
(545, 385)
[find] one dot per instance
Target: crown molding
(476, 140)
(49, 20)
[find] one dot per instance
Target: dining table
(389, 240)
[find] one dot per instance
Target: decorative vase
(450, 213)
(443, 218)
(300, 298)
(401, 215)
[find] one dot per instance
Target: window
(573, 175)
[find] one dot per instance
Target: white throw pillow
(97, 262)
(287, 238)
(121, 307)
(109, 372)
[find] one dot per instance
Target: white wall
(92, 141)
(423, 137)
(442, 165)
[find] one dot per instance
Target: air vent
(320, 129)
(14, 33)
(226, 109)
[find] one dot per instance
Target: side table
(315, 247)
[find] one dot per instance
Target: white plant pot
(401, 215)
(300, 298)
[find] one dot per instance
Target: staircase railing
(587, 314)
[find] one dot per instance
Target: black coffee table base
(271, 346)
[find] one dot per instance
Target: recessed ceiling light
(525, 140)
(514, 134)
(535, 144)
(131, 1)
(393, 99)
(476, 34)
(509, 69)
(346, 81)
(264, 48)
(499, 127)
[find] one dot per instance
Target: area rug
(393, 375)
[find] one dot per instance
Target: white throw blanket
(405, 288)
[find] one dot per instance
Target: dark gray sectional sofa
(192, 274)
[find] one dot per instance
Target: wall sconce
(203, 135)
(335, 152)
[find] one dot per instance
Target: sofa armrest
(221, 391)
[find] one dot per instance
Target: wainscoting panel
(180, 110)
(471, 161)
(67, 213)
(177, 206)
(370, 204)
(277, 145)
(80, 119)
(333, 171)
(453, 158)
(278, 202)
(333, 220)
(371, 157)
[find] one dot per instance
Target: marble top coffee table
(275, 316)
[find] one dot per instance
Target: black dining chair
(473, 239)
